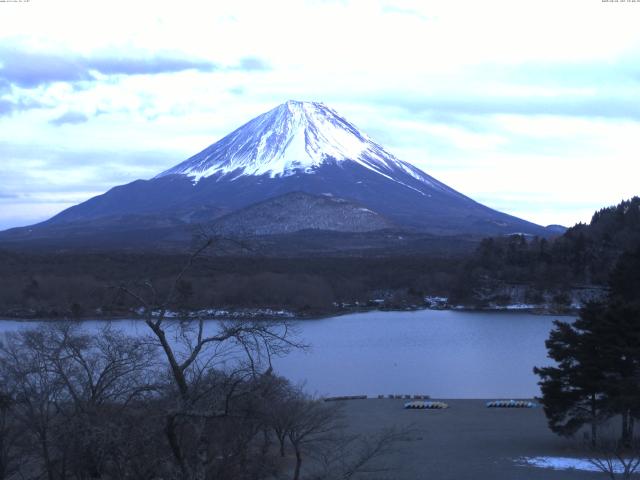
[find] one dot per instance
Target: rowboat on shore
(510, 404)
(425, 405)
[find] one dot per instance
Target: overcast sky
(530, 107)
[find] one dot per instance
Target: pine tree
(598, 360)
(573, 392)
(621, 341)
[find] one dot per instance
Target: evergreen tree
(621, 346)
(598, 360)
(622, 342)
(573, 392)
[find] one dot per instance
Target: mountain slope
(296, 147)
(296, 137)
(296, 211)
(579, 260)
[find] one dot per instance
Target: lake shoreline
(259, 314)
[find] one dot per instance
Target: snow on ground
(564, 463)
(520, 306)
(211, 313)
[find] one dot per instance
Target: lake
(442, 353)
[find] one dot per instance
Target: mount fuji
(300, 166)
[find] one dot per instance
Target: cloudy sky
(531, 107)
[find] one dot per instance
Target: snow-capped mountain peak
(278, 173)
(292, 138)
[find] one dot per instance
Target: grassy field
(465, 441)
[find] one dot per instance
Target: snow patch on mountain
(292, 138)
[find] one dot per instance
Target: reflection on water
(446, 354)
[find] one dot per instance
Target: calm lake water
(445, 354)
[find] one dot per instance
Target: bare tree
(101, 374)
(38, 394)
(311, 422)
(350, 456)
(279, 399)
(9, 432)
(614, 458)
(316, 430)
(191, 352)
(9, 435)
(109, 367)
(69, 391)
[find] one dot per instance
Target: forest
(76, 284)
(584, 255)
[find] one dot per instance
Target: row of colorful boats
(430, 405)
(492, 404)
(511, 404)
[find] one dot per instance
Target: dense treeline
(77, 284)
(583, 255)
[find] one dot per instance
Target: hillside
(583, 256)
(296, 211)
